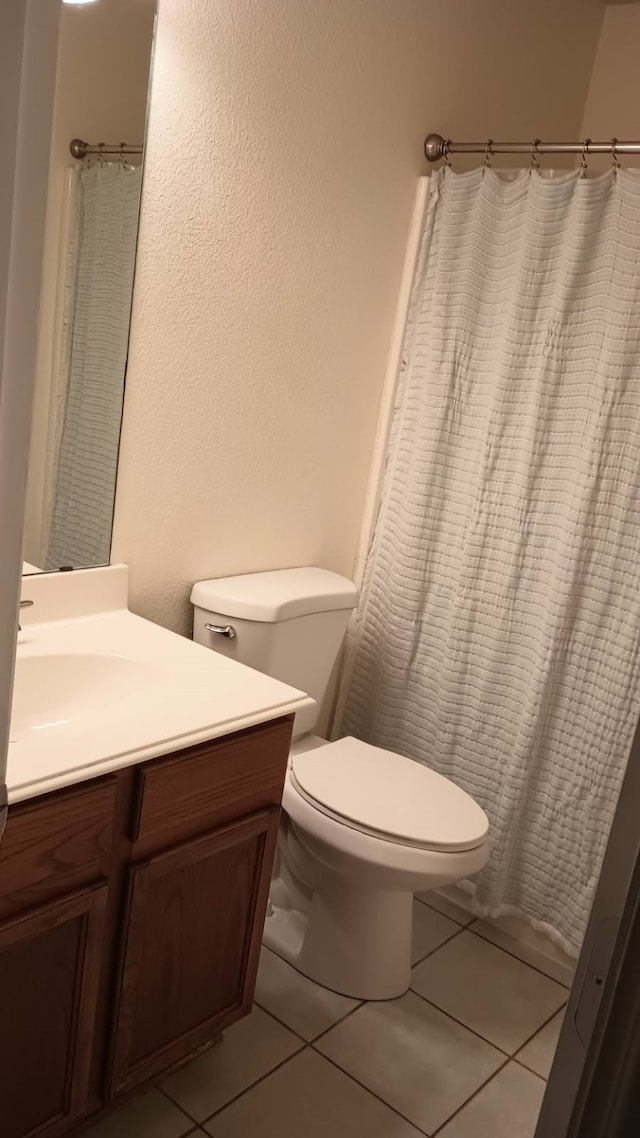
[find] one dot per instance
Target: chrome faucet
(24, 605)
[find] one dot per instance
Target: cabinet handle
(222, 630)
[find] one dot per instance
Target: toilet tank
(289, 623)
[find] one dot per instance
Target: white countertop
(190, 694)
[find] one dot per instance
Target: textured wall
(284, 144)
(613, 103)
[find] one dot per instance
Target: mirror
(102, 77)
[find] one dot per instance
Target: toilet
(363, 829)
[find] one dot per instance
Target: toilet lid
(390, 795)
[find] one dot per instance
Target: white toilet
(362, 829)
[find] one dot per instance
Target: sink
(99, 690)
(61, 693)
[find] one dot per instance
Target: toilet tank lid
(278, 595)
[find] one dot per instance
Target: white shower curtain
(498, 635)
(93, 364)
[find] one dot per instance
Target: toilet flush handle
(222, 630)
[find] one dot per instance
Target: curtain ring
(100, 158)
(583, 160)
(616, 163)
(446, 160)
(488, 154)
(534, 161)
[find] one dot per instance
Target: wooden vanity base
(131, 917)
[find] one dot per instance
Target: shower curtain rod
(80, 149)
(436, 147)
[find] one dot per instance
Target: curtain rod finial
(434, 147)
(78, 148)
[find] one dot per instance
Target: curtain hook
(534, 161)
(100, 159)
(583, 160)
(488, 155)
(446, 160)
(616, 163)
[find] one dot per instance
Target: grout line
(475, 919)
(440, 913)
(477, 1091)
(512, 1059)
(541, 1028)
(530, 1070)
(181, 1108)
(292, 1030)
(513, 955)
(436, 947)
(250, 1086)
(461, 1024)
(346, 1015)
(373, 1094)
(473, 1031)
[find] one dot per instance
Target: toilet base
(354, 941)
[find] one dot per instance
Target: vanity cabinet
(131, 915)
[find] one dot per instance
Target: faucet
(24, 605)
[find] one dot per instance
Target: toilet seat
(388, 796)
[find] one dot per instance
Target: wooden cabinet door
(49, 971)
(195, 918)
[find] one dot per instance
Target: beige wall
(613, 103)
(102, 77)
(284, 145)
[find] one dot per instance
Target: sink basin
(62, 693)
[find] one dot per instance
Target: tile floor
(464, 1054)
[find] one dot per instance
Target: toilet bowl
(363, 829)
(342, 896)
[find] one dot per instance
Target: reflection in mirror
(104, 52)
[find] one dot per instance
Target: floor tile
(430, 930)
(308, 1096)
(539, 1052)
(452, 903)
(248, 1051)
(303, 1006)
(489, 991)
(528, 945)
(415, 1058)
(149, 1115)
(508, 1107)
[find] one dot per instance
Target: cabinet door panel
(49, 970)
(195, 919)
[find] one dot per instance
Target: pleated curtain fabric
(497, 638)
(94, 362)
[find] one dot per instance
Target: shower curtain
(93, 367)
(497, 639)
